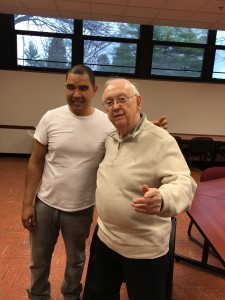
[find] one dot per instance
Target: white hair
(126, 82)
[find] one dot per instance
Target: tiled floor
(188, 283)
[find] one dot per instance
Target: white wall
(26, 96)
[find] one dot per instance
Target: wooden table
(208, 214)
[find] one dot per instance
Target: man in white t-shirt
(61, 181)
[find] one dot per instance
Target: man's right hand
(28, 217)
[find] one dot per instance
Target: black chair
(181, 143)
(221, 150)
(178, 140)
(207, 174)
(200, 148)
(89, 286)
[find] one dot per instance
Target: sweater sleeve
(178, 187)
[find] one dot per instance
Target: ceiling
(209, 14)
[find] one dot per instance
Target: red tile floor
(188, 282)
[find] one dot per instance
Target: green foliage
(178, 61)
(179, 34)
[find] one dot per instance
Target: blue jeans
(75, 228)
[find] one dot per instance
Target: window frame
(145, 45)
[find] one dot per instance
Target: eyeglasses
(121, 100)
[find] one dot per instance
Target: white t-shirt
(76, 146)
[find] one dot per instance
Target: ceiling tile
(147, 3)
(73, 15)
(73, 6)
(191, 5)
(138, 20)
(193, 13)
(10, 3)
(173, 14)
(214, 7)
(202, 25)
(49, 4)
(141, 11)
(107, 9)
(204, 17)
(107, 18)
(14, 10)
(112, 2)
(161, 22)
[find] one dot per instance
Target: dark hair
(83, 69)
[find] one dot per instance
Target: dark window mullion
(144, 52)
(209, 56)
(78, 43)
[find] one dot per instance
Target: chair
(181, 143)
(212, 173)
(221, 150)
(178, 140)
(201, 148)
(207, 174)
(89, 286)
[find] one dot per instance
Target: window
(177, 61)
(112, 48)
(116, 51)
(48, 43)
(178, 51)
(219, 65)
(108, 56)
(219, 62)
(49, 50)
(39, 51)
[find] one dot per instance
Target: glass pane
(219, 65)
(42, 24)
(177, 61)
(179, 34)
(48, 52)
(110, 56)
(220, 37)
(111, 29)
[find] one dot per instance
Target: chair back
(201, 147)
(213, 173)
(221, 149)
(178, 140)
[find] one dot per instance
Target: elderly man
(142, 182)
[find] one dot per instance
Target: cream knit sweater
(150, 155)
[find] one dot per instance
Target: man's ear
(139, 102)
(95, 88)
